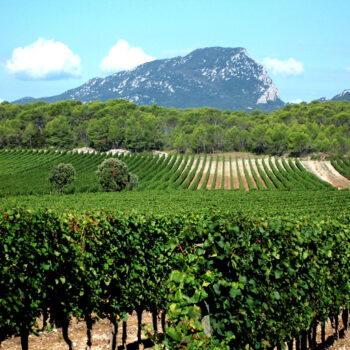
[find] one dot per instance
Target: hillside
(224, 78)
(27, 172)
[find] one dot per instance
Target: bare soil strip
(235, 175)
(227, 184)
(204, 174)
(77, 334)
(280, 161)
(177, 158)
(287, 161)
(273, 159)
(194, 163)
(257, 173)
(263, 169)
(212, 172)
(198, 170)
(325, 171)
(241, 171)
(267, 164)
(219, 175)
(192, 167)
(187, 163)
(100, 336)
(246, 162)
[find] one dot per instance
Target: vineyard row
(27, 172)
(258, 283)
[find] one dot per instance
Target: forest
(296, 129)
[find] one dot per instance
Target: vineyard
(231, 252)
(342, 165)
(26, 172)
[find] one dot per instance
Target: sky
(48, 46)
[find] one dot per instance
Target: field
(258, 245)
(27, 172)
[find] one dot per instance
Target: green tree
(61, 176)
(97, 132)
(113, 175)
(29, 134)
(133, 181)
(298, 142)
(11, 133)
(237, 139)
(58, 132)
(199, 139)
(276, 139)
(116, 132)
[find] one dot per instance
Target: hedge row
(225, 281)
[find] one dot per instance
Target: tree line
(296, 128)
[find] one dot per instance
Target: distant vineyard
(25, 172)
(342, 165)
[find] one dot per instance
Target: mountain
(343, 96)
(225, 78)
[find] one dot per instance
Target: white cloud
(44, 60)
(348, 69)
(297, 100)
(123, 57)
(1, 100)
(283, 68)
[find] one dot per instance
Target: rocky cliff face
(225, 78)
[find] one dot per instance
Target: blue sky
(47, 47)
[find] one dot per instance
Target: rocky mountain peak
(225, 78)
(343, 96)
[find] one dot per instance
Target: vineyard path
(212, 172)
(206, 169)
(241, 171)
(219, 175)
(235, 175)
(249, 171)
(257, 173)
(227, 183)
(325, 171)
(201, 160)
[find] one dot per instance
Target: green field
(269, 203)
(169, 184)
(26, 172)
(260, 242)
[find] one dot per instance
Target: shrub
(113, 175)
(133, 181)
(61, 176)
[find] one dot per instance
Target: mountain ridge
(225, 78)
(343, 96)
